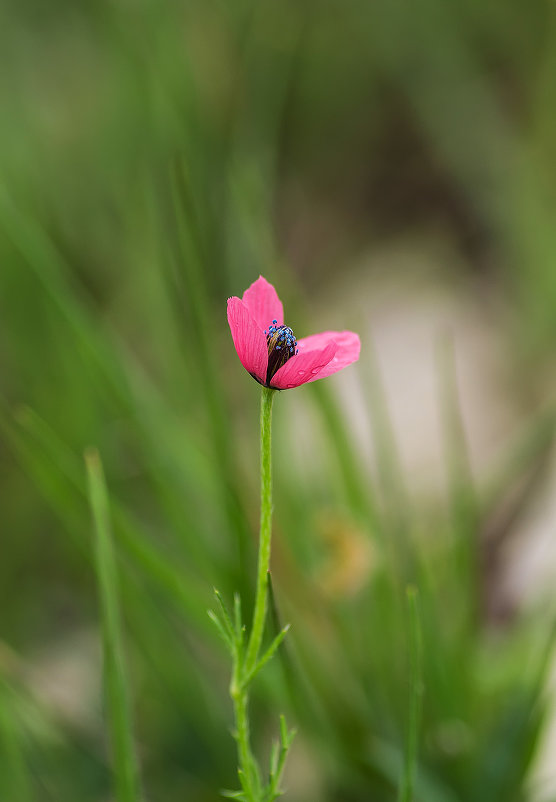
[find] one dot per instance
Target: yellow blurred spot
(349, 560)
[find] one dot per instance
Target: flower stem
(259, 613)
(246, 761)
(247, 661)
(240, 677)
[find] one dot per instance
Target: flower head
(268, 349)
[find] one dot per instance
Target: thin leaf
(234, 795)
(117, 683)
(279, 759)
(222, 630)
(15, 781)
(225, 615)
(240, 629)
(267, 655)
(405, 793)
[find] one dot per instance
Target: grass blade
(405, 793)
(118, 707)
(358, 491)
(14, 778)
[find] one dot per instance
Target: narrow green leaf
(239, 628)
(237, 617)
(267, 655)
(226, 619)
(234, 795)
(224, 634)
(358, 491)
(274, 755)
(57, 472)
(283, 730)
(463, 498)
(405, 793)
(278, 761)
(118, 707)
(244, 783)
(15, 779)
(284, 656)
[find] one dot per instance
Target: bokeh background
(390, 167)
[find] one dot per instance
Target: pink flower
(269, 351)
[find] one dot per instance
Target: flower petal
(304, 367)
(249, 339)
(261, 299)
(348, 348)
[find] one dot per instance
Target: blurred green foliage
(154, 158)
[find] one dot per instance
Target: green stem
(242, 669)
(246, 760)
(259, 612)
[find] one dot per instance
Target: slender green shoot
(265, 534)
(118, 707)
(405, 793)
(247, 659)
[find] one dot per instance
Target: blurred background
(389, 166)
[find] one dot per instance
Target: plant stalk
(265, 534)
(242, 668)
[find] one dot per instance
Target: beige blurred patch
(303, 778)
(66, 679)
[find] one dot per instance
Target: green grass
(154, 161)
(118, 708)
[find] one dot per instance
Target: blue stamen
(281, 347)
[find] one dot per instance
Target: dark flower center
(281, 346)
